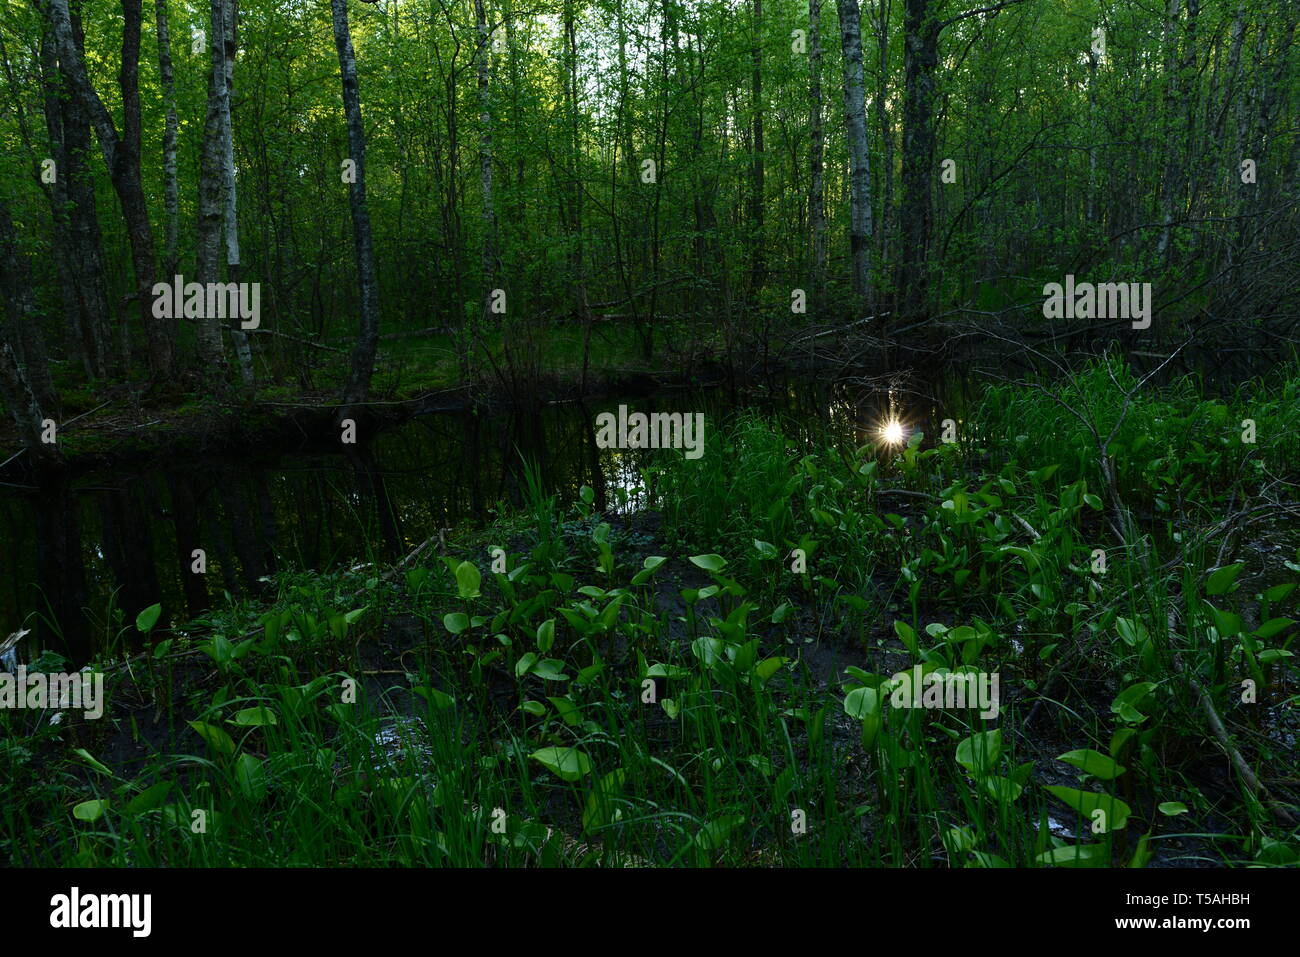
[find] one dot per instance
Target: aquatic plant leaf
(468, 579)
(1074, 855)
(255, 717)
(145, 621)
(979, 753)
(1220, 581)
(568, 764)
(1094, 763)
(148, 799)
(90, 810)
(710, 562)
(1115, 813)
(250, 775)
(216, 738)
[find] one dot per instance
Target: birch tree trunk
(234, 273)
(817, 186)
(363, 354)
(211, 193)
(886, 227)
(855, 116)
(485, 156)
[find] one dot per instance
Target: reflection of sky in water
(625, 486)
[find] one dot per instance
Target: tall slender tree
(122, 157)
(855, 117)
(362, 368)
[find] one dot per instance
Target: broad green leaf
(148, 799)
(1278, 592)
(1220, 581)
(1272, 627)
(546, 635)
(908, 637)
(255, 717)
(1133, 632)
(1128, 701)
(1115, 811)
(250, 774)
(861, 702)
(650, 566)
(568, 764)
(714, 835)
(979, 753)
(216, 738)
(1000, 789)
(145, 621)
(90, 810)
(438, 700)
(550, 669)
(768, 667)
(467, 580)
(569, 712)
(1075, 855)
(598, 809)
(710, 562)
(455, 622)
(1094, 763)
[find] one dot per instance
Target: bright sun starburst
(892, 432)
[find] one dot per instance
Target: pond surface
(81, 558)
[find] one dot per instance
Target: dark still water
(81, 559)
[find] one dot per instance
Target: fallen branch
(1256, 787)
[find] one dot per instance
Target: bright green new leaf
(568, 764)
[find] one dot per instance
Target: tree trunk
(920, 59)
(230, 43)
(758, 254)
(855, 116)
(122, 157)
(817, 186)
(23, 407)
(886, 227)
(76, 235)
(485, 156)
(212, 353)
(363, 355)
(171, 191)
(1170, 180)
(24, 332)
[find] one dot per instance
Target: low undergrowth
(730, 677)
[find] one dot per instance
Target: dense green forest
(650, 433)
(713, 176)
